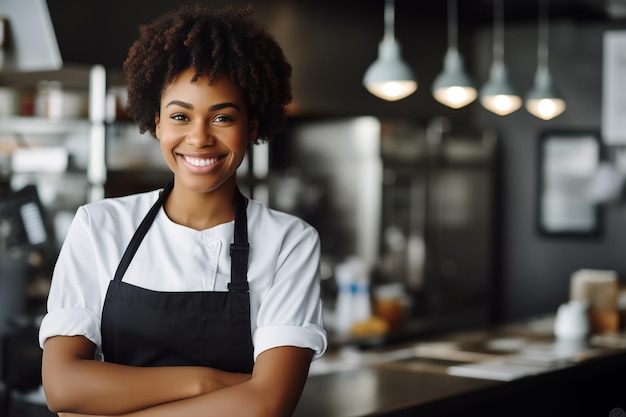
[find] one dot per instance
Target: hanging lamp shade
(453, 86)
(498, 95)
(389, 77)
(543, 101)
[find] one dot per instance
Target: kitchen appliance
(31, 41)
(23, 222)
(337, 166)
(26, 244)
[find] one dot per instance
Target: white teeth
(200, 162)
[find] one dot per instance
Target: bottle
(49, 99)
(353, 296)
(361, 289)
(343, 306)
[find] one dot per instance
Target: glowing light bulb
(393, 90)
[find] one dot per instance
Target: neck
(199, 210)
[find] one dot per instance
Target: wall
(536, 269)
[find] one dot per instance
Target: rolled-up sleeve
(70, 322)
(75, 300)
(290, 311)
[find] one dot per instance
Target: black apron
(141, 327)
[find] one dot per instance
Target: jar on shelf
(8, 101)
(52, 102)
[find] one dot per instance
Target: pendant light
(498, 95)
(543, 101)
(389, 77)
(453, 86)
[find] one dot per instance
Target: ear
(253, 130)
(157, 123)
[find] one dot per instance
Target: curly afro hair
(212, 42)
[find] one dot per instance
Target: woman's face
(203, 130)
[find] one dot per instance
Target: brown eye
(223, 119)
(179, 116)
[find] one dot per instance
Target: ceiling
(522, 10)
(481, 12)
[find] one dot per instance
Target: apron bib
(142, 327)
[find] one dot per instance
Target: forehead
(188, 83)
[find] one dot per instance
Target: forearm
(241, 400)
(74, 383)
(273, 390)
(237, 402)
(97, 387)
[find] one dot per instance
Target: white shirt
(283, 272)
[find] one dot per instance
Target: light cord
(389, 19)
(453, 33)
(498, 32)
(543, 35)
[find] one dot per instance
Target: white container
(572, 321)
(49, 159)
(8, 101)
(52, 102)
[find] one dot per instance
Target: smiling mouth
(200, 162)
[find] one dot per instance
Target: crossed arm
(76, 385)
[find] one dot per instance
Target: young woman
(191, 300)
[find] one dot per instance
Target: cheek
(243, 141)
(166, 145)
(236, 139)
(243, 144)
(166, 135)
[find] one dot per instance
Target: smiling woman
(193, 299)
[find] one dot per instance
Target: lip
(201, 169)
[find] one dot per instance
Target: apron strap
(240, 249)
(141, 231)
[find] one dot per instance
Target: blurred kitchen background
(440, 209)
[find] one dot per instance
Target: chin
(197, 185)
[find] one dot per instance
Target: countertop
(513, 370)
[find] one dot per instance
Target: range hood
(28, 39)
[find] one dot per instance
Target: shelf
(71, 76)
(27, 125)
(85, 137)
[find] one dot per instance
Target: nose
(200, 135)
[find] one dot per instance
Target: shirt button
(212, 244)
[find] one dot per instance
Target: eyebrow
(214, 107)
